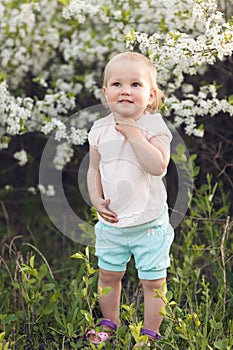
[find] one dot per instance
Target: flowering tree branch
(52, 58)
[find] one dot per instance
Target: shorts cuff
(152, 275)
(109, 267)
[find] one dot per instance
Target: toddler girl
(129, 155)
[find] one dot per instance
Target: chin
(128, 112)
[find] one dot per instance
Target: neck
(135, 117)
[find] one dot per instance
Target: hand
(101, 206)
(127, 127)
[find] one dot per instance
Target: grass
(48, 300)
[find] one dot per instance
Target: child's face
(128, 91)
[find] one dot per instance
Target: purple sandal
(152, 334)
(100, 337)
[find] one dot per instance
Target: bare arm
(95, 188)
(153, 155)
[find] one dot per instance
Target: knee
(154, 284)
(108, 278)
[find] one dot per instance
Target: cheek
(111, 96)
(143, 96)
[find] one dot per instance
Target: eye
(116, 83)
(135, 84)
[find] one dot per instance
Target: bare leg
(152, 305)
(109, 303)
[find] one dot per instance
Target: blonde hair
(130, 55)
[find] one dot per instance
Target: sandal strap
(108, 323)
(99, 337)
(150, 333)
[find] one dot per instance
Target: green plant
(198, 303)
(62, 294)
(4, 344)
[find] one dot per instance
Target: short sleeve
(100, 129)
(92, 138)
(154, 125)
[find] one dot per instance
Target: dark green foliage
(48, 294)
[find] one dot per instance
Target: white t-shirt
(136, 196)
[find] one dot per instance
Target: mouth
(125, 101)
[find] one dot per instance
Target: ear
(152, 96)
(104, 90)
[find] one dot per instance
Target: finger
(109, 216)
(108, 213)
(106, 201)
(112, 220)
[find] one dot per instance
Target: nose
(125, 90)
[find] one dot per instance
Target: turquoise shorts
(149, 243)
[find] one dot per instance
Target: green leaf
(172, 303)
(216, 325)
(70, 328)
(10, 318)
(163, 312)
(201, 127)
(64, 2)
(47, 287)
(29, 270)
(42, 271)
(230, 100)
(169, 295)
(131, 36)
(93, 346)
(32, 281)
(87, 316)
(2, 77)
(32, 261)
(16, 285)
(2, 335)
(180, 149)
(58, 317)
(221, 344)
(78, 256)
(55, 296)
(49, 308)
(91, 270)
(104, 291)
(87, 252)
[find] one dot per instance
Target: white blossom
(58, 125)
(3, 145)
(77, 136)
(84, 118)
(41, 188)
(49, 191)
(32, 190)
(62, 49)
(63, 155)
(21, 156)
